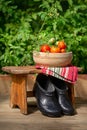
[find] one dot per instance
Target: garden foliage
(27, 24)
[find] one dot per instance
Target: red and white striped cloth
(68, 74)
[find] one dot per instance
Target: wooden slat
(24, 69)
(11, 119)
(21, 69)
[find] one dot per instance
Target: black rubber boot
(63, 98)
(46, 97)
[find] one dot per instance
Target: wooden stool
(18, 93)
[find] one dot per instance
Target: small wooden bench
(19, 93)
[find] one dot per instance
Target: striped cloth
(68, 74)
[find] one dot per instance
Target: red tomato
(55, 49)
(45, 48)
(63, 50)
(61, 45)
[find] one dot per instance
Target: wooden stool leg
(71, 93)
(18, 96)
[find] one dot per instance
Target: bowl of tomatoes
(53, 56)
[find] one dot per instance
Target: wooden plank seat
(19, 93)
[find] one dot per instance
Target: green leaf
(70, 2)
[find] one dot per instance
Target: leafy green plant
(25, 25)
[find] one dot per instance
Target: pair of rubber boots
(51, 95)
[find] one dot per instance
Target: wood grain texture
(18, 95)
(12, 119)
